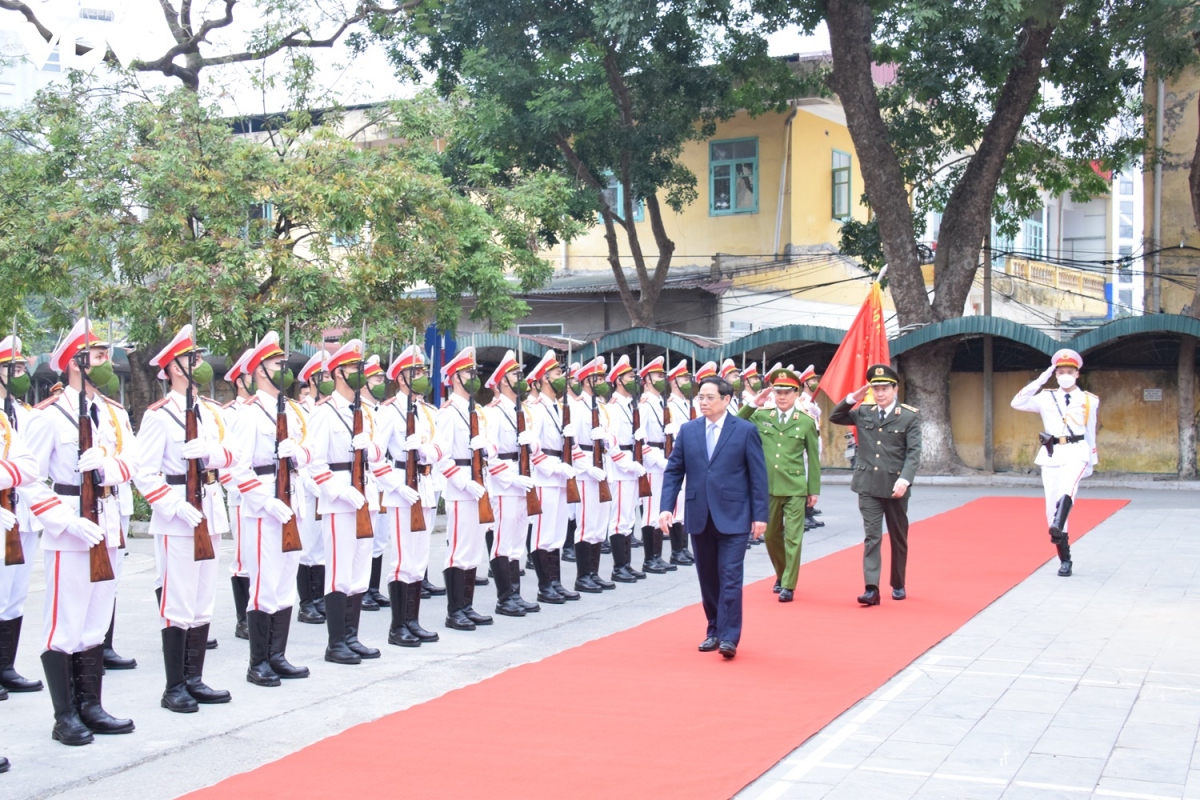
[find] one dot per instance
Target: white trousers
(238, 567)
(550, 527)
(310, 534)
(409, 551)
(594, 517)
(466, 547)
(14, 580)
(348, 558)
(1060, 480)
(189, 587)
(512, 521)
(649, 515)
(272, 572)
(382, 537)
(77, 612)
(624, 506)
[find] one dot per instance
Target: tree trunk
(927, 386)
(1187, 407)
(144, 387)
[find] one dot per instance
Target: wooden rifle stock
(13, 552)
(533, 504)
(569, 448)
(638, 447)
(363, 529)
(668, 439)
(283, 481)
(99, 566)
(202, 547)
(486, 516)
(417, 513)
(598, 454)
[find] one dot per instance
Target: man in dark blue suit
(725, 503)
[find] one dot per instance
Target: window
(1126, 185)
(541, 329)
(841, 184)
(1125, 225)
(733, 177)
(101, 14)
(1034, 230)
(344, 241)
(741, 327)
(53, 63)
(614, 195)
(1125, 298)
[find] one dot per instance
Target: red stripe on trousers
(162, 604)
(258, 572)
(454, 535)
(54, 612)
(538, 541)
(333, 537)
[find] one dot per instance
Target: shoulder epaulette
(807, 412)
(209, 400)
(389, 401)
(495, 402)
(49, 401)
(229, 404)
(158, 405)
(910, 408)
(324, 400)
(112, 402)
(26, 406)
(445, 404)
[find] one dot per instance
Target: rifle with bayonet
(99, 565)
(14, 553)
(486, 516)
(283, 466)
(202, 547)
(363, 529)
(533, 503)
(644, 489)
(417, 513)
(598, 453)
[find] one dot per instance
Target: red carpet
(642, 713)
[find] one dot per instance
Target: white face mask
(1066, 381)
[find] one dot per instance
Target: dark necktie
(1066, 398)
(882, 415)
(94, 413)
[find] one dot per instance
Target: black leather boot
(260, 672)
(431, 588)
(621, 572)
(585, 552)
(679, 551)
(469, 598)
(554, 564)
(649, 562)
(336, 650)
(281, 627)
(111, 659)
(398, 633)
(411, 592)
(456, 618)
(88, 668)
(377, 597)
(505, 604)
(176, 696)
(353, 613)
(308, 613)
(606, 546)
(196, 647)
(3, 765)
(596, 550)
(68, 727)
(317, 571)
(10, 638)
(514, 578)
(241, 599)
(1064, 557)
(546, 592)
(568, 549)
(1058, 526)
(659, 537)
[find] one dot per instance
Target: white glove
(1045, 376)
(408, 496)
(196, 448)
(525, 438)
(288, 448)
(635, 468)
(186, 513)
(351, 495)
(90, 459)
(7, 519)
(599, 433)
(523, 482)
(478, 443)
(474, 489)
(85, 529)
(567, 471)
(671, 430)
(278, 509)
(361, 441)
(594, 473)
(639, 435)
(413, 442)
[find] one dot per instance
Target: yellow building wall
(814, 139)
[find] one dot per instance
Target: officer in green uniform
(889, 452)
(788, 432)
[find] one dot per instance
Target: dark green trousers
(874, 511)
(785, 536)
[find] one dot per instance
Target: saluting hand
(861, 393)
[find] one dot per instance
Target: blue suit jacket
(732, 487)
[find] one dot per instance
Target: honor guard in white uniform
(408, 549)
(1067, 453)
(574, 389)
(623, 470)
(751, 383)
(77, 612)
(17, 566)
(508, 488)
(335, 446)
(595, 514)
(188, 586)
(310, 574)
(258, 454)
(240, 578)
(807, 403)
(682, 409)
(730, 373)
(652, 413)
(373, 599)
(119, 418)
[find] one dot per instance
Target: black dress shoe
(211, 644)
(898, 594)
(368, 602)
(728, 650)
(785, 595)
(709, 644)
(1064, 571)
(777, 588)
(870, 597)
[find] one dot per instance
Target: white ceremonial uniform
(272, 572)
(650, 412)
(77, 611)
(808, 404)
(550, 474)
(622, 474)
(680, 413)
(410, 551)
(508, 498)
(593, 517)
(466, 547)
(1066, 414)
(313, 553)
(14, 580)
(233, 498)
(188, 586)
(347, 558)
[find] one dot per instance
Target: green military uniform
(788, 482)
(888, 449)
